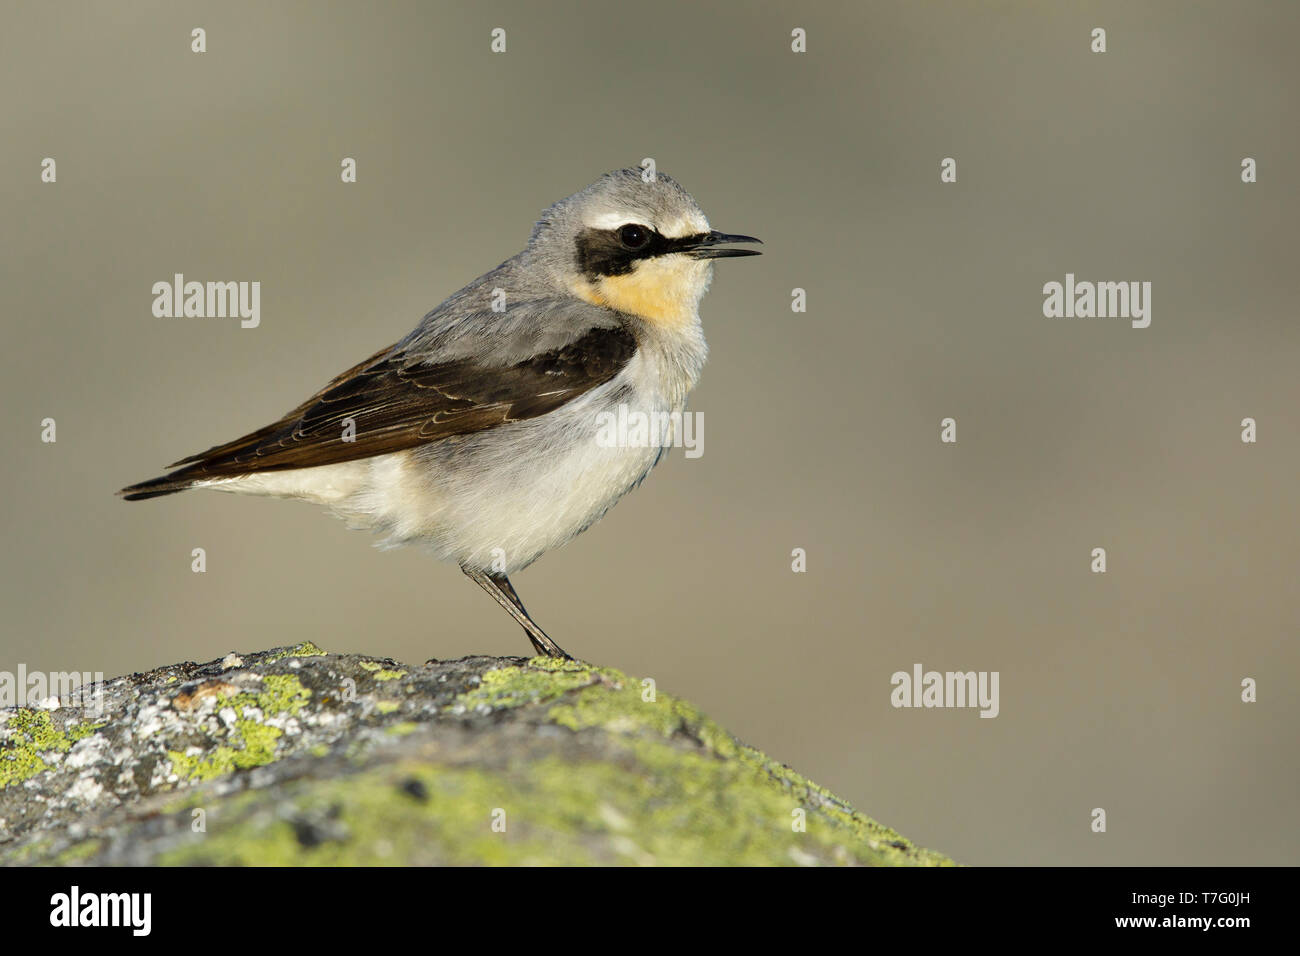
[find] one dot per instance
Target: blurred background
(924, 301)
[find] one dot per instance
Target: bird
(476, 435)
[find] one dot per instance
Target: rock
(294, 756)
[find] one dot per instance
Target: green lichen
(31, 734)
(667, 808)
(29, 853)
(187, 800)
(305, 649)
(660, 784)
(279, 694)
(79, 852)
(374, 819)
(540, 680)
(617, 705)
(587, 697)
(37, 728)
(81, 731)
(381, 674)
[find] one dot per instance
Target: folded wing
(388, 404)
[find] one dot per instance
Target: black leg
(503, 592)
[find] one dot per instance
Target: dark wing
(394, 405)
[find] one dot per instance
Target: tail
(265, 449)
(221, 461)
(157, 487)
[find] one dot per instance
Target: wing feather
(395, 404)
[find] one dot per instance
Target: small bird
(476, 435)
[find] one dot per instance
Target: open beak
(707, 246)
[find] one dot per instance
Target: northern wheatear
(476, 435)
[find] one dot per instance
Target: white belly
(495, 500)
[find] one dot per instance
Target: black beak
(705, 246)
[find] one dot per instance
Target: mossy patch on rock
(31, 738)
(305, 649)
(295, 756)
(254, 741)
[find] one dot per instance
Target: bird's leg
(503, 592)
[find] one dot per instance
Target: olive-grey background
(822, 429)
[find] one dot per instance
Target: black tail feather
(157, 487)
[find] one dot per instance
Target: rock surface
(294, 756)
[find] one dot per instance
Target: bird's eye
(634, 236)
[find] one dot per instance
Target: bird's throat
(665, 293)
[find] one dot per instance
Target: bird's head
(643, 247)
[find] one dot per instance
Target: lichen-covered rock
(295, 756)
